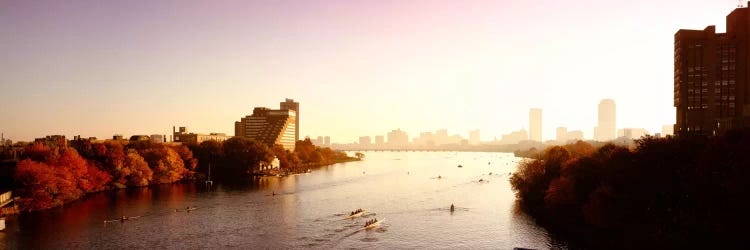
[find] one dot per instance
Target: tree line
(48, 177)
(687, 191)
(238, 157)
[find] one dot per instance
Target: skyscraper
(290, 104)
(561, 134)
(606, 129)
(535, 124)
(711, 77)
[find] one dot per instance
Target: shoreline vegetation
(688, 191)
(48, 176)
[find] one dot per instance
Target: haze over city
(357, 67)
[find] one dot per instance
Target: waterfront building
(440, 137)
(327, 141)
(290, 104)
(183, 136)
(379, 140)
(398, 138)
(364, 141)
(474, 137)
(425, 139)
(270, 127)
(606, 128)
(515, 137)
(561, 134)
(712, 77)
(535, 124)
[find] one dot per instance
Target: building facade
(290, 104)
(379, 140)
(711, 74)
(474, 138)
(606, 128)
(398, 138)
(365, 141)
(535, 124)
(270, 127)
(183, 136)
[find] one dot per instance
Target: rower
(452, 207)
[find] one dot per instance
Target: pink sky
(98, 68)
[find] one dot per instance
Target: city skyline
(104, 69)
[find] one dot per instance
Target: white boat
(373, 225)
(356, 215)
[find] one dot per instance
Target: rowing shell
(355, 215)
(371, 226)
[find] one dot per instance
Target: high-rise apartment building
(290, 104)
(712, 75)
(271, 127)
(535, 124)
(606, 129)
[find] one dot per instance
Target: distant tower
(290, 104)
(606, 128)
(535, 124)
(474, 137)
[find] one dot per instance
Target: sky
(357, 67)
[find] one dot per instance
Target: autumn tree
(243, 156)
(166, 164)
(281, 154)
(304, 149)
(136, 170)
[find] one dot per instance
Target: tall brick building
(711, 77)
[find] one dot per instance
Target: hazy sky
(97, 68)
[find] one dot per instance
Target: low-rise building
(192, 138)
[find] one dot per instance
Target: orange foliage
(136, 170)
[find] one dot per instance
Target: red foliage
(37, 181)
(51, 177)
(37, 152)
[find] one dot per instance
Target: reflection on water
(305, 211)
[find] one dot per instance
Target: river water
(401, 188)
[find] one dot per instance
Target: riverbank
(306, 211)
(676, 192)
(304, 169)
